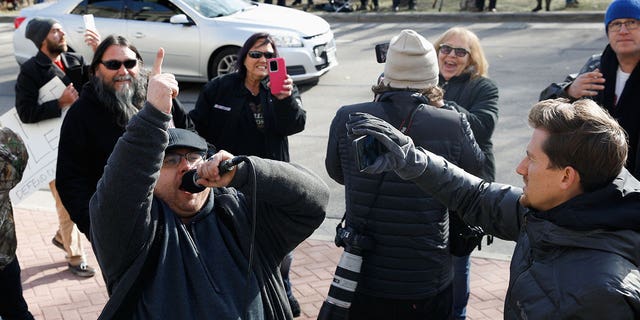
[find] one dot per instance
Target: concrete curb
(425, 17)
(463, 17)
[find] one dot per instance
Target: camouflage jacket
(13, 161)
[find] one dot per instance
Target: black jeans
(438, 307)
(12, 304)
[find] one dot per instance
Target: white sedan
(201, 37)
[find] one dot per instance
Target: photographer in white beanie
(407, 268)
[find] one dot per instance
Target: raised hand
(92, 39)
(209, 175)
(403, 157)
(287, 89)
(162, 86)
(586, 85)
(68, 97)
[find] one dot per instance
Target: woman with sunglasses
(468, 90)
(237, 112)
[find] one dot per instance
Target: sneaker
(295, 306)
(58, 244)
(82, 270)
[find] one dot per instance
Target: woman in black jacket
(238, 113)
(468, 90)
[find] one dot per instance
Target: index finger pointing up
(157, 65)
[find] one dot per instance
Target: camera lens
(273, 66)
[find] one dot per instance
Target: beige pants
(68, 233)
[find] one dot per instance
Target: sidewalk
(52, 292)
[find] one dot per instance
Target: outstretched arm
(492, 206)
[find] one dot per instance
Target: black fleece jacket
(200, 272)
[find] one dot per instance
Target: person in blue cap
(612, 78)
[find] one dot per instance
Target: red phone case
(278, 75)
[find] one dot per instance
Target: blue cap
(620, 9)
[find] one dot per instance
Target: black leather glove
(403, 157)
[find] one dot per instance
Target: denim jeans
(461, 266)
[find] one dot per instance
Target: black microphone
(189, 179)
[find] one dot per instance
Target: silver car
(201, 37)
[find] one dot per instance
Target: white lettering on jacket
(217, 106)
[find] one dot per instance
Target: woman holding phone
(237, 112)
(467, 89)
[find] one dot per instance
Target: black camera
(347, 275)
(381, 52)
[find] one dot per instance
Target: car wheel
(224, 62)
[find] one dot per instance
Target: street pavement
(54, 293)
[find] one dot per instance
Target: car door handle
(139, 35)
(81, 30)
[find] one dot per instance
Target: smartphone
(368, 149)
(277, 74)
(381, 52)
(89, 22)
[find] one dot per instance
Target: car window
(151, 10)
(100, 8)
(217, 8)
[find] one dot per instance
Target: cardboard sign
(41, 140)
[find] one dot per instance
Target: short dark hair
(246, 47)
(584, 136)
(105, 44)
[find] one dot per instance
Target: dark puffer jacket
(411, 258)
(578, 260)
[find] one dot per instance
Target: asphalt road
(524, 58)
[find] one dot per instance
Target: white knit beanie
(412, 62)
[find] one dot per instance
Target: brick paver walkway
(52, 292)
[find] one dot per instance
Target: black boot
(538, 7)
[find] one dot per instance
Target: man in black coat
(408, 268)
(575, 222)
(53, 63)
(612, 79)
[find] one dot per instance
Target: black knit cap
(182, 138)
(38, 29)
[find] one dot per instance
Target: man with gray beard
(115, 92)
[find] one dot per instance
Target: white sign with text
(41, 140)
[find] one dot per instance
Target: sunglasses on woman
(259, 54)
(116, 64)
(446, 50)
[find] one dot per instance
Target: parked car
(201, 37)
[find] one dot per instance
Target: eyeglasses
(173, 159)
(116, 64)
(446, 50)
(616, 26)
(259, 54)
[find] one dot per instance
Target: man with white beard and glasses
(115, 92)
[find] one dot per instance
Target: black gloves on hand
(403, 157)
